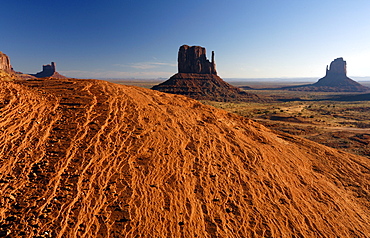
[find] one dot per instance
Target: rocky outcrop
(192, 59)
(5, 63)
(197, 78)
(335, 80)
(48, 70)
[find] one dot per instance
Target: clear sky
(140, 39)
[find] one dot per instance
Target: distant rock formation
(197, 78)
(335, 80)
(192, 59)
(48, 70)
(7, 72)
(336, 76)
(5, 63)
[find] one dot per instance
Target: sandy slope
(84, 158)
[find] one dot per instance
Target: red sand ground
(88, 158)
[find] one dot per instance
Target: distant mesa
(335, 80)
(197, 78)
(48, 70)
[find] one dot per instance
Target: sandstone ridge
(88, 158)
(197, 78)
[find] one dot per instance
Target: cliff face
(192, 59)
(197, 78)
(5, 63)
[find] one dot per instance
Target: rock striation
(48, 70)
(335, 80)
(5, 63)
(197, 78)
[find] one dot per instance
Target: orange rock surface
(88, 158)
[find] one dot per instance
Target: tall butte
(336, 77)
(197, 78)
(335, 80)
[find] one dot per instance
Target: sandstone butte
(197, 78)
(88, 158)
(335, 80)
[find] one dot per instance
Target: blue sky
(140, 39)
